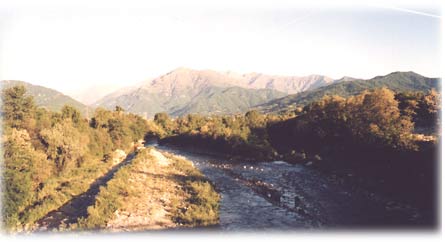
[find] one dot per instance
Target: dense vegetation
(375, 135)
(386, 140)
(47, 97)
(396, 81)
(49, 157)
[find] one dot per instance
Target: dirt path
(155, 186)
(77, 207)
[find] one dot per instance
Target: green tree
(23, 170)
(18, 108)
(65, 145)
(119, 109)
(69, 112)
(255, 118)
(117, 133)
(376, 119)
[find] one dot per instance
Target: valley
(224, 151)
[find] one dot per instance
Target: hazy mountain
(218, 100)
(91, 94)
(396, 81)
(46, 97)
(286, 84)
(183, 91)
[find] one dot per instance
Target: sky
(78, 45)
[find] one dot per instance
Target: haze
(75, 48)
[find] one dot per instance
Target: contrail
(413, 12)
(295, 21)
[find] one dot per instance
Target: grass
(59, 190)
(201, 208)
(145, 188)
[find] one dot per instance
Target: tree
(254, 118)
(65, 145)
(69, 112)
(117, 133)
(17, 108)
(429, 106)
(100, 119)
(375, 118)
(119, 109)
(163, 120)
(24, 170)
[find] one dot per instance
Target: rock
(297, 201)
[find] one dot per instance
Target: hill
(47, 97)
(184, 91)
(396, 81)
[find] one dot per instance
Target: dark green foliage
(119, 109)
(371, 119)
(65, 145)
(71, 113)
(42, 148)
(239, 135)
(17, 107)
(397, 82)
(423, 108)
(24, 169)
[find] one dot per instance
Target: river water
(282, 196)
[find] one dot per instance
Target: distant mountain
(46, 97)
(286, 84)
(396, 81)
(183, 91)
(217, 100)
(91, 94)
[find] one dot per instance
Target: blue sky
(73, 47)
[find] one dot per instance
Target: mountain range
(396, 81)
(183, 91)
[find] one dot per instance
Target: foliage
(396, 81)
(17, 108)
(41, 145)
(24, 171)
(65, 145)
(45, 97)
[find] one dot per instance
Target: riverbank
(283, 196)
(395, 210)
(156, 191)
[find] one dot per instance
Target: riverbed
(282, 196)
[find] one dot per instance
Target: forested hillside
(47, 97)
(396, 81)
(50, 157)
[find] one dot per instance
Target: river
(269, 196)
(282, 196)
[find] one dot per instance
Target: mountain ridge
(47, 97)
(397, 81)
(181, 87)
